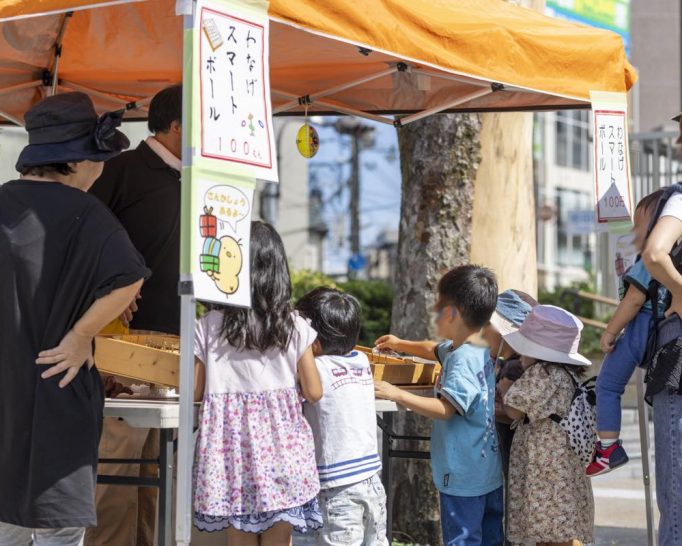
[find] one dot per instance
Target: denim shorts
(354, 514)
(12, 535)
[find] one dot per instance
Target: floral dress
(550, 497)
(255, 456)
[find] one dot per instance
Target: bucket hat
(510, 312)
(550, 334)
(65, 128)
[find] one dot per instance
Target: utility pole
(354, 183)
(362, 137)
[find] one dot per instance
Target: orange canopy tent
(371, 58)
(367, 58)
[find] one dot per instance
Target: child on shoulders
(465, 455)
(352, 498)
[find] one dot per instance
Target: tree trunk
(504, 202)
(439, 157)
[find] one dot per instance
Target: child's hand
(387, 342)
(607, 342)
(386, 391)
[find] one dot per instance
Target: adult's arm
(657, 259)
(75, 349)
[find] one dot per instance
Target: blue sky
(379, 189)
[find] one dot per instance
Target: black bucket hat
(65, 128)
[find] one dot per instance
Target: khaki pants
(126, 515)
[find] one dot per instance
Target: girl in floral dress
(550, 497)
(254, 469)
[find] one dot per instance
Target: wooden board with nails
(146, 358)
(401, 371)
(156, 359)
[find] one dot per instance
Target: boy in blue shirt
(465, 456)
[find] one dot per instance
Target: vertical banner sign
(611, 157)
(235, 89)
(232, 143)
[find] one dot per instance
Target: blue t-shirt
(638, 276)
(465, 455)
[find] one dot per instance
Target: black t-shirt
(60, 250)
(143, 192)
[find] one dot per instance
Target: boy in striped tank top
(352, 498)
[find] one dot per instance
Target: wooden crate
(401, 371)
(147, 358)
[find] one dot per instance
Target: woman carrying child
(255, 470)
(550, 497)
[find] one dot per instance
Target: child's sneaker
(606, 460)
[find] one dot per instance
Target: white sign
(581, 222)
(236, 121)
(624, 256)
(221, 268)
(611, 165)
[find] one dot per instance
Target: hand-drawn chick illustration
(227, 278)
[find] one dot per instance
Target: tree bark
(503, 228)
(439, 157)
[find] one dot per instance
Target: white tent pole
(337, 108)
(183, 494)
(645, 442)
(334, 90)
(437, 109)
(58, 51)
(89, 91)
(11, 118)
(21, 86)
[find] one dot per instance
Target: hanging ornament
(307, 140)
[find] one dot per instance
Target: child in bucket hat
(513, 306)
(550, 498)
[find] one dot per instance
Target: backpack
(580, 423)
(663, 357)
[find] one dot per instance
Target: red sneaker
(606, 460)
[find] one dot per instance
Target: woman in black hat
(67, 269)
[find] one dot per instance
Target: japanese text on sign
(235, 109)
(612, 172)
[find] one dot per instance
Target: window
(572, 139)
(572, 250)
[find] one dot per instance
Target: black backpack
(663, 357)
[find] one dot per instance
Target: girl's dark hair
(46, 170)
(269, 324)
(335, 316)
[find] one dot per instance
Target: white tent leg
(183, 490)
(644, 439)
(183, 494)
